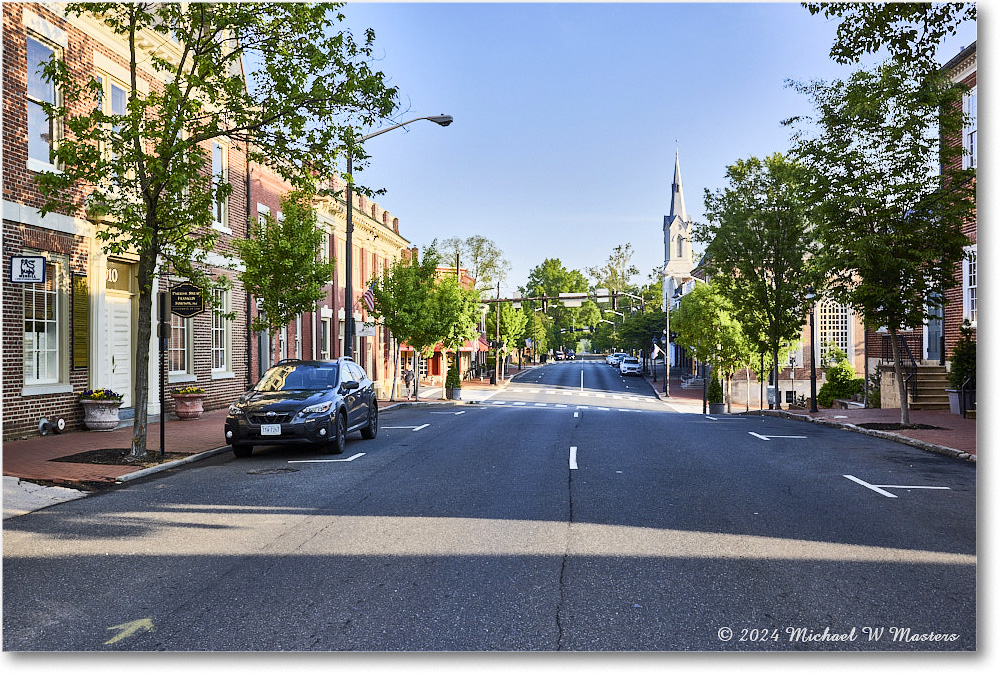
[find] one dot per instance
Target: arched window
(680, 246)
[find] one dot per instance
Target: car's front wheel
(371, 430)
(336, 444)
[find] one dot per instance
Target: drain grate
(268, 472)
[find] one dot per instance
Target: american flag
(369, 298)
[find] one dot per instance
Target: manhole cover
(267, 472)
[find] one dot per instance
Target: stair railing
(968, 387)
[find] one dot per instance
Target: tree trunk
(748, 389)
(777, 394)
(395, 374)
(444, 373)
(904, 403)
(147, 269)
(416, 373)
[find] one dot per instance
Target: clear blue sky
(567, 116)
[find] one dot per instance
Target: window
(220, 175)
(834, 323)
(324, 338)
(178, 351)
(41, 329)
(220, 331)
(680, 246)
(969, 274)
(114, 98)
(262, 212)
(42, 131)
(324, 248)
(969, 140)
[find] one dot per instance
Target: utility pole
(498, 336)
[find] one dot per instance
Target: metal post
(164, 296)
(348, 285)
(812, 359)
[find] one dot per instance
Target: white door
(118, 325)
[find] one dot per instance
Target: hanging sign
(186, 300)
(27, 269)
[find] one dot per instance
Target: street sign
(186, 300)
(366, 330)
(27, 269)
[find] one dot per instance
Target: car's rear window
(290, 376)
(631, 359)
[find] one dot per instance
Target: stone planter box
(716, 408)
(100, 415)
(455, 394)
(188, 406)
(954, 404)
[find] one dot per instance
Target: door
(118, 325)
(932, 342)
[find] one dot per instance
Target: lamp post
(810, 295)
(443, 120)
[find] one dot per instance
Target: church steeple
(677, 197)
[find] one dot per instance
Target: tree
(402, 298)
(759, 248)
(147, 170)
(512, 325)
(706, 325)
(889, 224)
(281, 267)
(454, 315)
(910, 31)
(616, 274)
(549, 279)
(482, 257)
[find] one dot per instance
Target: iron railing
(908, 362)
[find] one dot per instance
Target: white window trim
(221, 226)
(60, 384)
(969, 155)
(39, 33)
(226, 371)
(966, 296)
(187, 374)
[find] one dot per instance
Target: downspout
(249, 332)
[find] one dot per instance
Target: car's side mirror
(348, 386)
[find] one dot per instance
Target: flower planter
(188, 406)
(455, 393)
(100, 415)
(716, 408)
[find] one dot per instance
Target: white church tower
(677, 263)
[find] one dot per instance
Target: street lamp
(810, 295)
(443, 120)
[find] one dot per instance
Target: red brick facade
(82, 346)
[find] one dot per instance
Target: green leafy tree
(911, 32)
(482, 257)
(281, 266)
(146, 171)
(617, 272)
(549, 279)
(454, 316)
(513, 325)
(760, 244)
(402, 299)
(890, 225)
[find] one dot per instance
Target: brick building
(77, 329)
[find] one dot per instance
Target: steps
(932, 380)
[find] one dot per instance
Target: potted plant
(100, 409)
(716, 403)
(189, 402)
(453, 384)
(963, 367)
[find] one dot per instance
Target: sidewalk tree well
(759, 248)
(281, 266)
(279, 80)
(889, 222)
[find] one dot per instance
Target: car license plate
(270, 429)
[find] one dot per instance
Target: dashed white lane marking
(317, 461)
(572, 457)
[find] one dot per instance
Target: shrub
(841, 381)
(715, 394)
(963, 358)
(453, 380)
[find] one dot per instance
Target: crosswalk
(574, 392)
(556, 406)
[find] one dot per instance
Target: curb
(877, 433)
(169, 465)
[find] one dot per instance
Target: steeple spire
(677, 197)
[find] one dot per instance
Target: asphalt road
(549, 517)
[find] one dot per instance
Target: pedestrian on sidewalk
(408, 382)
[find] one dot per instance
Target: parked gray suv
(314, 402)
